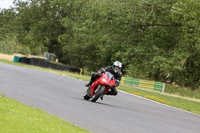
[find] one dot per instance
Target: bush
(10, 46)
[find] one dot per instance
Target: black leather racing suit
(117, 77)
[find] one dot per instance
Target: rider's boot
(114, 93)
(101, 97)
(109, 93)
(89, 84)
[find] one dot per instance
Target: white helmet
(117, 66)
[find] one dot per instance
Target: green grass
(182, 91)
(18, 118)
(185, 103)
(182, 98)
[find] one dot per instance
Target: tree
(154, 39)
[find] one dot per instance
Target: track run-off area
(63, 96)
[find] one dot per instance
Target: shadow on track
(100, 103)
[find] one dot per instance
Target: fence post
(81, 71)
(163, 87)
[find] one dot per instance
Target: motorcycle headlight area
(104, 80)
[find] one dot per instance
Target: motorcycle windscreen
(110, 76)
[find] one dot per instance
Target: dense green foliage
(9, 45)
(8, 42)
(154, 39)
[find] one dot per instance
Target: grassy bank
(186, 101)
(18, 118)
(182, 91)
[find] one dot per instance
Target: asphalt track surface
(63, 96)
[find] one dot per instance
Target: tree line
(154, 39)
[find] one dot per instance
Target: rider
(115, 69)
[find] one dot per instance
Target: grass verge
(18, 118)
(185, 103)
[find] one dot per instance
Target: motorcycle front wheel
(99, 92)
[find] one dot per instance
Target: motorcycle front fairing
(106, 80)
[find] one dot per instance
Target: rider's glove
(103, 70)
(99, 74)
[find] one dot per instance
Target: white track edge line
(160, 103)
(143, 98)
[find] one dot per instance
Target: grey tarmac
(63, 96)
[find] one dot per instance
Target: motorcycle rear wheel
(86, 97)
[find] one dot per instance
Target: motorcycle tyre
(99, 93)
(86, 97)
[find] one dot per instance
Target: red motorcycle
(100, 87)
